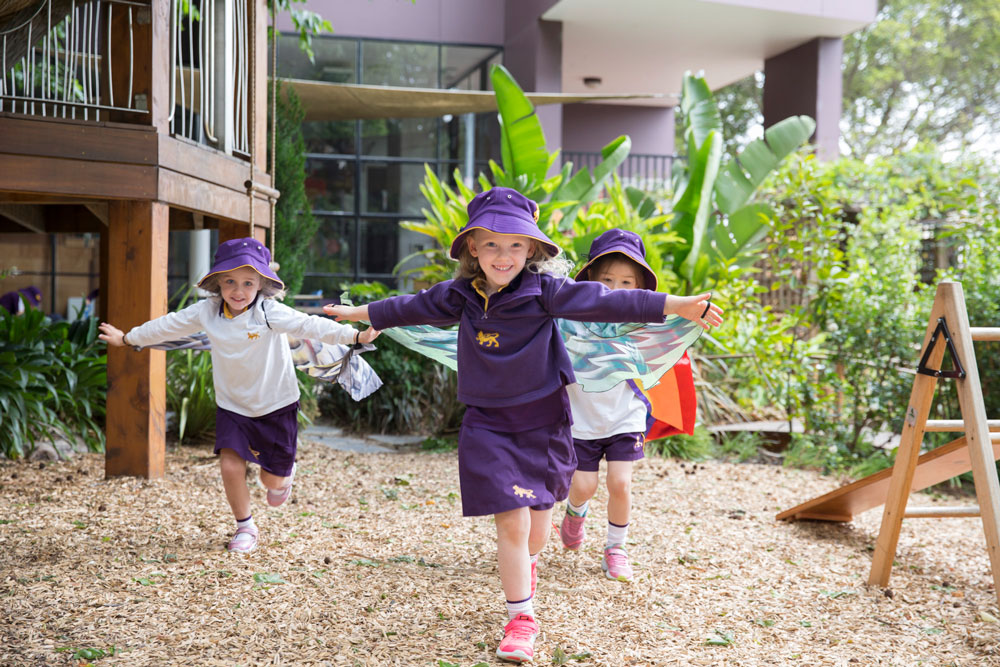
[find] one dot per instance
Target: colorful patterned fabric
(650, 357)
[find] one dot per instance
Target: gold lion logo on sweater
(523, 493)
(488, 339)
(253, 336)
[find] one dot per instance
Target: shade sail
(341, 101)
(322, 100)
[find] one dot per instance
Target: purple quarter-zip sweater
(509, 349)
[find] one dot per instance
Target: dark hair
(602, 263)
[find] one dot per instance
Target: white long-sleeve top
(251, 363)
(598, 415)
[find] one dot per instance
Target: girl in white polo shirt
(256, 392)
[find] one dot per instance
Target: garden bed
(373, 564)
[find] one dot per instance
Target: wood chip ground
(373, 564)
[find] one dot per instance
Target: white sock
(578, 510)
(525, 606)
(616, 535)
(246, 522)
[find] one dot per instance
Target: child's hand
(111, 335)
(368, 335)
(698, 308)
(341, 313)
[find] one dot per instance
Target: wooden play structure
(138, 118)
(977, 450)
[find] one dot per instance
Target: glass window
(392, 187)
(330, 137)
(331, 247)
(485, 131)
(465, 67)
(330, 184)
(399, 137)
(335, 59)
(380, 248)
(399, 64)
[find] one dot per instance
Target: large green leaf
(742, 230)
(740, 177)
(522, 141)
(585, 186)
(701, 114)
(697, 201)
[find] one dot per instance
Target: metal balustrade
(644, 171)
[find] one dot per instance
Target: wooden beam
(100, 180)
(99, 210)
(136, 291)
(31, 217)
(193, 194)
(65, 138)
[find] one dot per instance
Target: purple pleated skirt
(503, 471)
(270, 440)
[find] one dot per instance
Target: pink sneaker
(518, 643)
(244, 540)
(615, 564)
(277, 497)
(571, 531)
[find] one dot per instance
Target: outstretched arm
(111, 335)
(698, 308)
(349, 313)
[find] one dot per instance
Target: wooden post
(977, 432)
(136, 292)
(921, 397)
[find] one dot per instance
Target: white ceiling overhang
(645, 46)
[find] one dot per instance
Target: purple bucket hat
(504, 211)
(30, 295)
(624, 242)
(246, 252)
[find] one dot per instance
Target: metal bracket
(958, 372)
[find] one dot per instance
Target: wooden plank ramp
(933, 467)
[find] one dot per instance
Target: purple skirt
(618, 447)
(270, 440)
(503, 471)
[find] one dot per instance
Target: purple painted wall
(454, 21)
(590, 127)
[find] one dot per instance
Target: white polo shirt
(602, 414)
(252, 365)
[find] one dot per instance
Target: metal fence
(644, 171)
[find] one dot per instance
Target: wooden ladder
(948, 330)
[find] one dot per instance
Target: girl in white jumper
(256, 392)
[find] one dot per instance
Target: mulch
(371, 563)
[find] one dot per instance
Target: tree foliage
(925, 71)
(294, 222)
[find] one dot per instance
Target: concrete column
(808, 80)
(199, 254)
(533, 54)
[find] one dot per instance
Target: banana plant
(714, 215)
(526, 163)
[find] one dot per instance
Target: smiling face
(500, 256)
(619, 274)
(239, 288)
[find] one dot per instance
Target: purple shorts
(503, 471)
(619, 447)
(269, 440)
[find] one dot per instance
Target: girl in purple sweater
(515, 447)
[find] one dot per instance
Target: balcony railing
(78, 59)
(56, 66)
(646, 172)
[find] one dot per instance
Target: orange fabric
(674, 402)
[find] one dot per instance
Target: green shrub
(53, 382)
(696, 447)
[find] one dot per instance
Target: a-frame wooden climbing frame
(948, 330)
